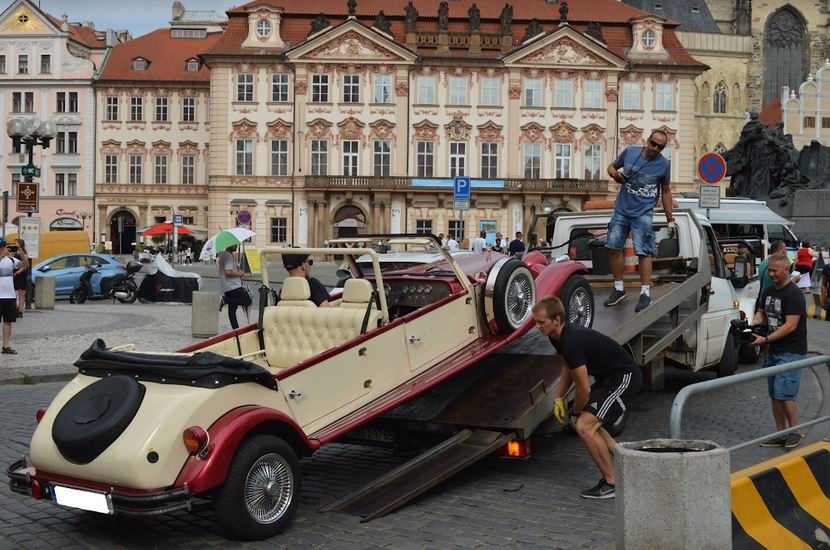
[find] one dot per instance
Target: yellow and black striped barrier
(783, 502)
(814, 311)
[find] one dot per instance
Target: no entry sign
(711, 168)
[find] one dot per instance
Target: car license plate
(92, 501)
(373, 434)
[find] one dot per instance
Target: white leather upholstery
(294, 334)
(296, 292)
(357, 293)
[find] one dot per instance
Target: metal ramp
(411, 479)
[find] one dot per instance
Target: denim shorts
(642, 233)
(784, 386)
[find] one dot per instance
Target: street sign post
(30, 171)
(461, 192)
(178, 219)
(28, 197)
(709, 197)
(243, 217)
(711, 168)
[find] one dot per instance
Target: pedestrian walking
(230, 282)
(644, 173)
(18, 250)
(784, 311)
(188, 255)
(587, 352)
(452, 244)
(480, 243)
(9, 268)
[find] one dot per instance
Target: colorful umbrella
(165, 228)
(224, 239)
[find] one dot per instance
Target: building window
(192, 66)
(564, 94)
(279, 157)
(664, 96)
(533, 92)
(60, 185)
(45, 63)
(351, 88)
(458, 90)
(67, 143)
(319, 157)
(593, 161)
(425, 90)
(809, 122)
(383, 88)
(720, 149)
(631, 95)
(593, 94)
(425, 158)
(279, 87)
(351, 151)
(489, 160)
(456, 230)
(458, 158)
(3, 64)
(22, 64)
(423, 227)
(279, 230)
(140, 64)
(490, 90)
(189, 109)
(161, 109)
(110, 168)
(66, 185)
(111, 110)
(263, 28)
(825, 122)
(562, 161)
(648, 38)
(245, 87)
(23, 102)
(719, 99)
(160, 169)
(136, 109)
(382, 157)
(320, 88)
(244, 157)
(136, 162)
(188, 169)
(533, 160)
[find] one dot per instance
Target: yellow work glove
(559, 412)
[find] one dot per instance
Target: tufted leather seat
(357, 293)
(295, 292)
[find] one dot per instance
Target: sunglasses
(309, 262)
(658, 146)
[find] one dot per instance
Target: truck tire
(262, 490)
(749, 354)
(578, 299)
(509, 294)
(729, 361)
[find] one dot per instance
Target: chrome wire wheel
(520, 296)
(269, 488)
(581, 308)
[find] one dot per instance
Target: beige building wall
(806, 114)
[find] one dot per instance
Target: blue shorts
(784, 386)
(642, 233)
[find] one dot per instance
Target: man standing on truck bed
(645, 174)
(617, 377)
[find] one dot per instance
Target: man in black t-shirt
(517, 246)
(299, 265)
(617, 378)
(782, 307)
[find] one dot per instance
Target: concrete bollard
(673, 493)
(204, 320)
(45, 293)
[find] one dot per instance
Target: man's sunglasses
(309, 261)
(658, 146)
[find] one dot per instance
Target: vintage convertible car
(143, 433)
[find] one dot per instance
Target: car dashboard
(406, 294)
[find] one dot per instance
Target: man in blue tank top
(644, 174)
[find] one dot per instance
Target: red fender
(553, 278)
(225, 436)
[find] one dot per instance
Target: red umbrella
(166, 228)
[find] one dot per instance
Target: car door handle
(294, 394)
(414, 339)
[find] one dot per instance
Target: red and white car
(137, 433)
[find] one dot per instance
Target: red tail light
(39, 415)
(37, 490)
(195, 439)
(517, 448)
(124, 267)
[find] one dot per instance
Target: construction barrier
(783, 502)
(631, 261)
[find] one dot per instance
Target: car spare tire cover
(94, 417)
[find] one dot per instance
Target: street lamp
(84, 215)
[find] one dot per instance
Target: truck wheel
(729, 361)
(78, 296)
(262, 490)
(578, 299)
(749, 354)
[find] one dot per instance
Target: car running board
(411, 479)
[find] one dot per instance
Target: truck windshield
(778, 231)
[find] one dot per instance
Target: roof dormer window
(648, 37)
(263, 28)
(140, 64)
(193, 65)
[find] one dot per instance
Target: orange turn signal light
(517, 448)
(195, 439)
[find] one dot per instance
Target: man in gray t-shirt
(230, 281)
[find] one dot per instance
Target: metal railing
(702, 387)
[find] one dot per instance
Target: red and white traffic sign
(711, 168)
(243, 217)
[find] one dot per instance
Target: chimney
(64, 22)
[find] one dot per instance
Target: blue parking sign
(461, 188)
(178, 219)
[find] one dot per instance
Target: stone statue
(594, 30)
(319, 23)
(533, 28)
(506, 19)
(443, 16)
(352, 4)
(563, 12)
(411, 17)
(382, 24)
(475, 17)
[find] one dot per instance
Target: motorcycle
(119, 287)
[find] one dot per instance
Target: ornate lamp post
(84, 215)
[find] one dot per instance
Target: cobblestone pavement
(493, 504)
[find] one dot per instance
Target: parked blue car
(66, 269)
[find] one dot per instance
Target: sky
(137, 16)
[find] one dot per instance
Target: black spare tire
(94, 417)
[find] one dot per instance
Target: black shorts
(608, 395)
(238, 297)
(20, 281)
(8, 310)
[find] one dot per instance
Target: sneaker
(793, 439)
(601, 490)
(643, 302)
(775, 441)
(221, 302)
(615, 298)
(10, 351)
